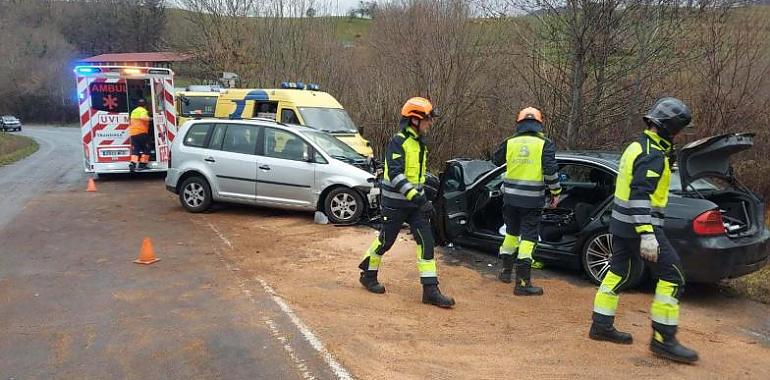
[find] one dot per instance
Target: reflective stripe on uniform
(665, 305)
(392, 194)
(510, 244)
(606, 299)
(521, 182)
(634, 203)
(523, 193)
(632, 219)
(551, 177)
(526, 248)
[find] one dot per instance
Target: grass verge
(15, 147)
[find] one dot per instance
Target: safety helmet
(669, 115)
(418, 108)
(530, 113)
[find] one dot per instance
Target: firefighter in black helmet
(641, 195)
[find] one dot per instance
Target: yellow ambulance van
(293, 103)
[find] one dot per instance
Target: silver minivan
(265, 163)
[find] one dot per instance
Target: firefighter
(641, 195)
(138, 130)
(531, 167)
(404, 200)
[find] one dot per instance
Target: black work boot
(524, 285)
(369, 278)
(132, 167)
(369, 281)
(608, 333)
(142, 166)
(665, 344)
(507, 271)
(431, 295)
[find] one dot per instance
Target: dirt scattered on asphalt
(490, 334)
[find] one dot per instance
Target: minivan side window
(285, 145)
(217, 136)
(196, 135)
(240, 139)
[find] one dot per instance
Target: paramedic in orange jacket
(138, 130)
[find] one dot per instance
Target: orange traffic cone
(146, 254)
(91, 186)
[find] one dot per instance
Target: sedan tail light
(709, 223)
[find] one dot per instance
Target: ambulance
(294, 103)
(106, 96)
(194, 102)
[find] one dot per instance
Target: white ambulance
(107, 95)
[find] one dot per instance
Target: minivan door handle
(264, 167)
(209, 159)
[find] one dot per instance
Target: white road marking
(308, 334)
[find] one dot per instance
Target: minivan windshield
(332, 146)
(198, 105)
(332, 120)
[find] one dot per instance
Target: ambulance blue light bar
(300, 86)
(85, 70)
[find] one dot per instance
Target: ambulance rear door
(164, 115)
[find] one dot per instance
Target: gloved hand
(554, 201)
(427, 208)
(648, 247)
(423, 203)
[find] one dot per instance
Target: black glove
(420, 200)
(423, 203)
(427, 208)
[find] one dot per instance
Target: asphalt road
(74, 305)
(54, 167)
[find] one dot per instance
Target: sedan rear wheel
(596, 257)
(597, 254)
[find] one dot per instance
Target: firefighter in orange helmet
(404, 200)
(531, 170)
(139, 131)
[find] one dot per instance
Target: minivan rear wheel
(195, 194)
(343, 205)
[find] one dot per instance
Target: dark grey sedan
(715, 223)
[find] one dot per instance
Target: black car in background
(715, 224)
(10, 123)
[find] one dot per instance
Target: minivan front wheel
(343, 205)
(195, 194)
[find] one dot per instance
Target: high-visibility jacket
(406, 160)
(140, 121)
(641, 189)
(531, 167)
